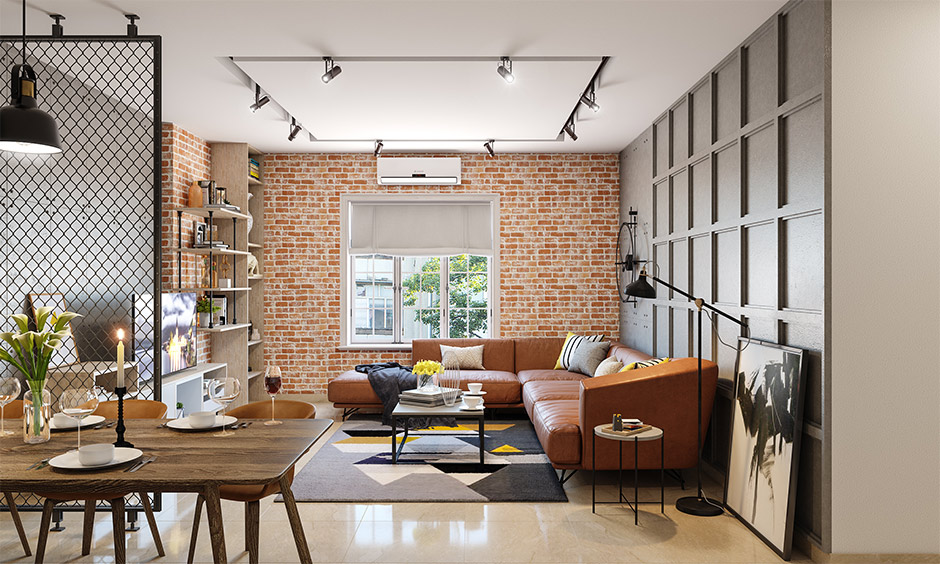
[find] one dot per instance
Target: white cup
(472, 402)
(201, 419)
(63, 421)
(475, 387)
(95, 455)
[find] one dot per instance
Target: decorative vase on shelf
(36, 415)
(204, 320)
(195, 195)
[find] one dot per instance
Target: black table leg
(620, 472)
(593, 473)
(662, 474)
(481, 429)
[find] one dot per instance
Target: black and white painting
(766, 423)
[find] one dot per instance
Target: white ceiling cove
(658, 48)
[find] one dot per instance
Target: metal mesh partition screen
(81, 229)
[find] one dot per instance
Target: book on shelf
(214, 245)
(228, 207)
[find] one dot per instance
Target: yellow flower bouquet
(426, 370)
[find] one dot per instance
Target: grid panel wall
(737, 215)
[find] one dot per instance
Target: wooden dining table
(196, 462)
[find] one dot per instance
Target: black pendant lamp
(24, 128)
(640, 288)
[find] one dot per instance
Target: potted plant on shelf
(30, 352)
(205, 308)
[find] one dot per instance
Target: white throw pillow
(608, 366)
(468, 358)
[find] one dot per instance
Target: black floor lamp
(640, 288)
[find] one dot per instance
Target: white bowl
(472, 402)
(475, 387)
(201, 419)
(96, 455)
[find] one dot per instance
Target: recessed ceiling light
(378, 148)
(505, 69)
(260, 100)
(294, 129)
(332, 70)
(489, 148)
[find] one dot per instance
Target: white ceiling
(658, 49)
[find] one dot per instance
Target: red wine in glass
(272, 384)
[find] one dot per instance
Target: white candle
(120, 358)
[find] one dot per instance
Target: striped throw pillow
(645, 363)
(571, 343)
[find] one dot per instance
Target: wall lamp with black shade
(640, 288)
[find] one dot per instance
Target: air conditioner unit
(418, 170)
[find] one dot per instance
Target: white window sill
(376, 347)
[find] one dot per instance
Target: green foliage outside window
(468, 305)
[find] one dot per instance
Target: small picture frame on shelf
(219, 317)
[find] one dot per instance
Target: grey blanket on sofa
(388, 380)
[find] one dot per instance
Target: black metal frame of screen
(106, 215)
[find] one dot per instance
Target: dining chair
(14, 410)
(253, 494)
(133, 409)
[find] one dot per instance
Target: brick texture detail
(559, 215)
(185, 159)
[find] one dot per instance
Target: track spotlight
(569, 129)
(294, 129)
(505, 69)
(589, 99)
(378, 148)
(332, 70)
(489, 148)
(260, 100)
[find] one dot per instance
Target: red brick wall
(185, 159)
(559, 216)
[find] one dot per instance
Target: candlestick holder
(120, 442)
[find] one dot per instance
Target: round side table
(653, 434)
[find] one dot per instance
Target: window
(397, 299)
(418, 266)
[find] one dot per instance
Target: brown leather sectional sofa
(565, 406)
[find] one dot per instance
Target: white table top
(409, 410)
(647, 435)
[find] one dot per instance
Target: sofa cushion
(549, 390)
(500, 387)
(537, 352)
(556, 424)
(587, 356)
(468, 358)
(572, 342)
(351, 387)
(527, 376)
(497, 353)
(610, 365)
(626, 355)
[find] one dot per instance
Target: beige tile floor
(426, 532)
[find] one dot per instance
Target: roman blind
(421, 228)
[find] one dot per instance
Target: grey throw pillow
(587, 356)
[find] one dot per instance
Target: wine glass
(9, 391)
(78, 403)
(224, 391)
(272, 383)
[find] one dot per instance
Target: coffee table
(406, 412)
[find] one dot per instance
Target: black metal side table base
(634, 505)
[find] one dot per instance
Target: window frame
(347, 340)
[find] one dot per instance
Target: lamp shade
(28, 130)
(640, 288)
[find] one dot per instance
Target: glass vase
(450, 379)
(36, 415)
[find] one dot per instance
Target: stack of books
(214, 245)
(422, 398)
(254, 169)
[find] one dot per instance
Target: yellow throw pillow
(644, 363)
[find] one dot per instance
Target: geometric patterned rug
(437, 464)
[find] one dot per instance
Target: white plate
(183, 424)
(465, 407)
(471, 394)
(69, 460)
(73, 424)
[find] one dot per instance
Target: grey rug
(437, 464)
